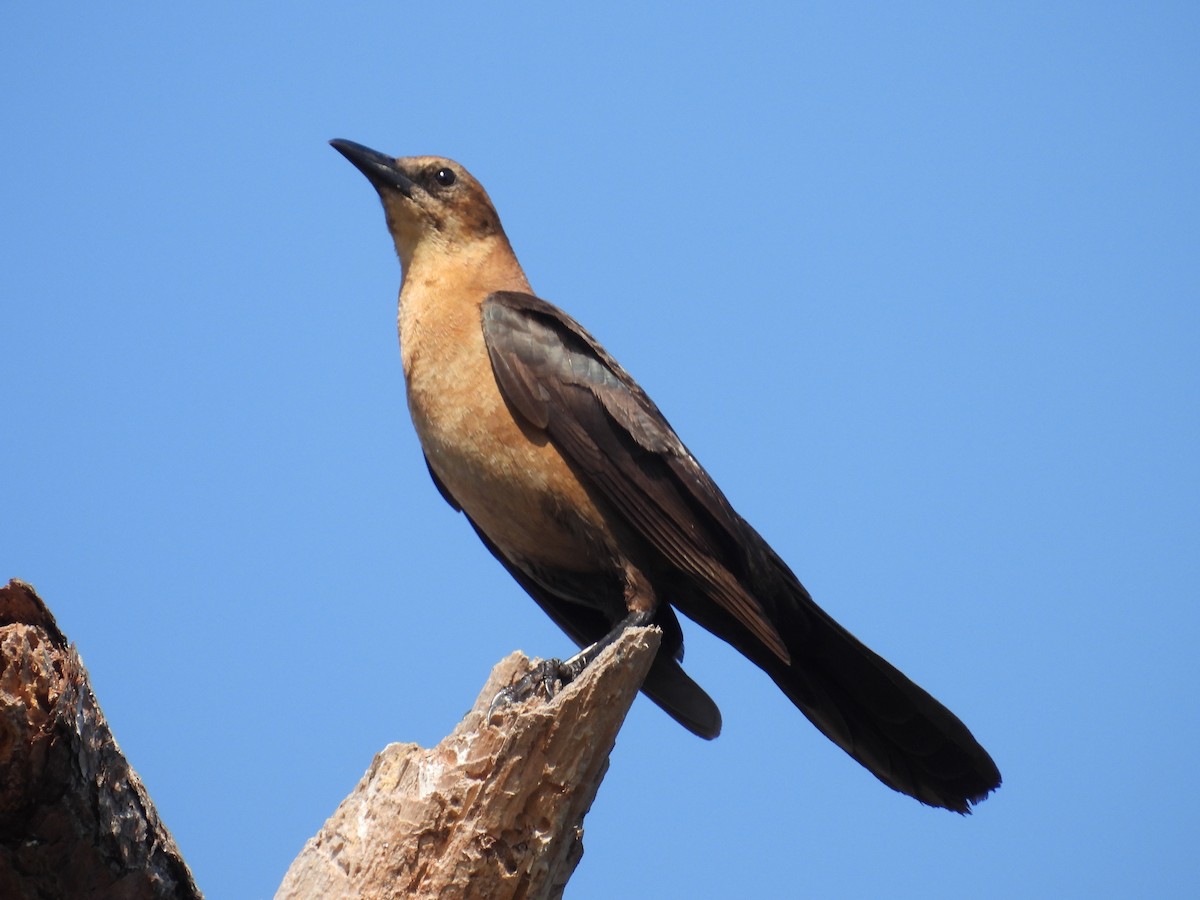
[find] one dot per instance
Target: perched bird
(577, 484)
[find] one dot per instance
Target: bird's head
(431, 203)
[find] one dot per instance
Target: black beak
(380, 170)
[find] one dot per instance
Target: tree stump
(493, 811)
(75, 819)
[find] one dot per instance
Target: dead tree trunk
(75, 819)
(493, 811)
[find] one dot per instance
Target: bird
(578, 485)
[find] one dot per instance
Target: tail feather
(870, 709)
(681, 698)
(860, 701)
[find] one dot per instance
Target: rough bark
(495, 810)
(75, 819)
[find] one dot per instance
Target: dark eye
(445, 177)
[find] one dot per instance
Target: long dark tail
(859, 700)
(870, 709)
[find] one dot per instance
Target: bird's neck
(443, 288)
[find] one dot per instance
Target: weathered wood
(495, 810)
(75, 819)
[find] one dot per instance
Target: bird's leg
(551, 674)
(570, 669)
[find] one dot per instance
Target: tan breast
(507, 477)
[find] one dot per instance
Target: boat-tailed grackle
(582, 490)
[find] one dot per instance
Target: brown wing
(716, 569)
(559, 379)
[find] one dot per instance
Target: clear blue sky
(920, 285)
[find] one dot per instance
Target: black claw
(550, 675)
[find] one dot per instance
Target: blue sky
(917, 283)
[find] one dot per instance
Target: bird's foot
(547, 676)
(552, 675)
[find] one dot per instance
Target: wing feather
(559, 379)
